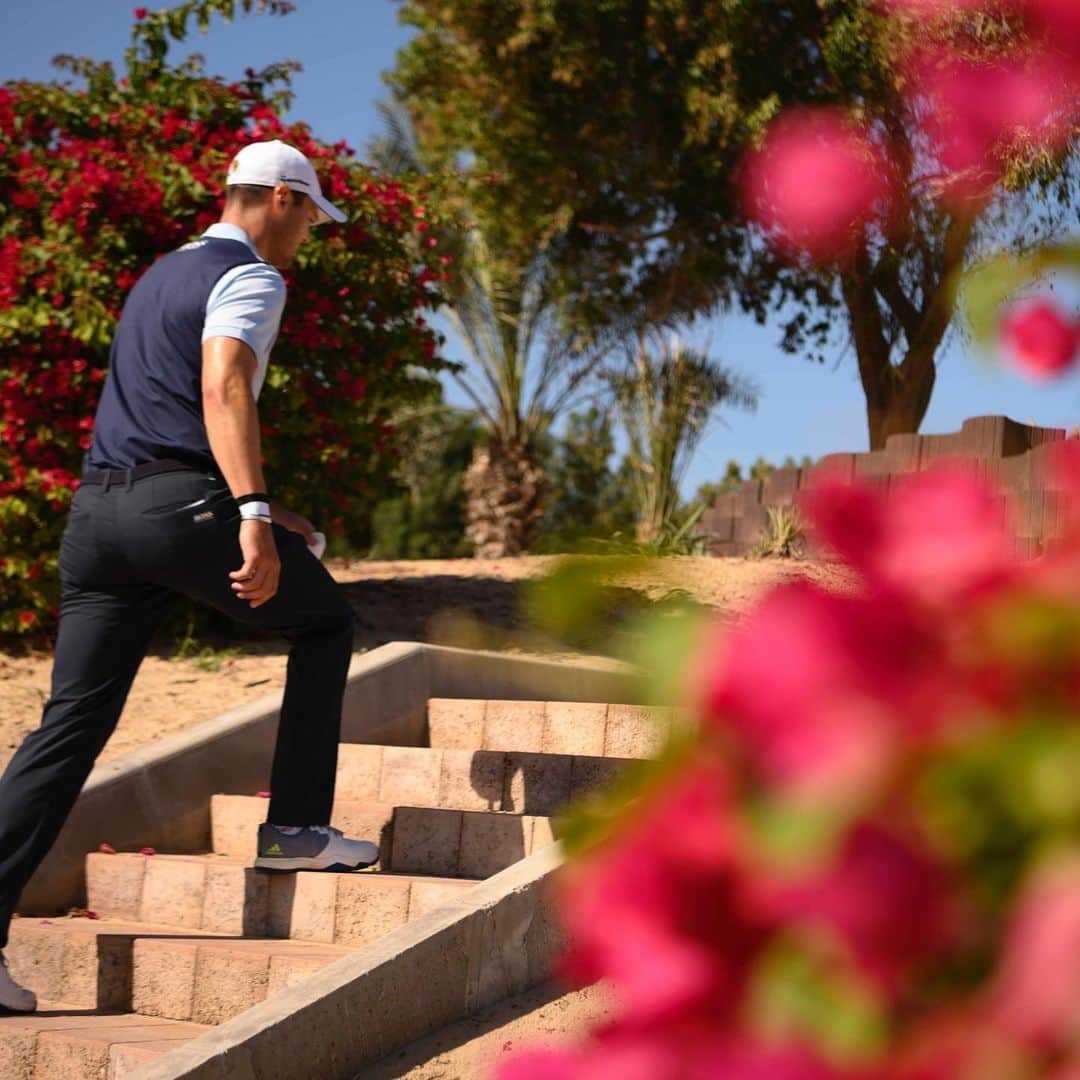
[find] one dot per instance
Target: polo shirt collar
(224, 231)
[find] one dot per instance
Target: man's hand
(257, 580)
(296, 523)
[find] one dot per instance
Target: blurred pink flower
(1038, 982)
(658, 910)
(941, 535)
(883, 895)
(1060, 22)
(1040, 339)
(817, 180)
(976, 112)
(811, 684)
(958, 1042)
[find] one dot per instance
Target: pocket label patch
(206, 515)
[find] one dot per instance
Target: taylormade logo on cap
(267, 164)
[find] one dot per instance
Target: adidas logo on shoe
(274, 849)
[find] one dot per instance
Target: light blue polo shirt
(246, 303)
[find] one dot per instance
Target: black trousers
(127, 552)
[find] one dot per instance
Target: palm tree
(524, 366)
(666, 395)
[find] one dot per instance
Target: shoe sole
(286, 866)
(7, 1010)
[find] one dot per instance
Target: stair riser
(553, 727)
(82, 969)
(523, 783)
(64, 1045)
(209, 984)
(226, 898)
(174, 977)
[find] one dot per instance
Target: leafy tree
(587, 499)
(665, 398)
(524, 367)
(427, 519)
(100, 176)
(617, 129)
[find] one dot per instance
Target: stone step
(551, 727)
(519, 781)
(83, 962)
(413, 839)
(228, 896)
(157, 971)
(64, 1042)
(212, 979)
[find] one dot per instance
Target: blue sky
(344, 45)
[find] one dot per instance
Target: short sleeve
(247, 304)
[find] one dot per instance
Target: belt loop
(129, 479)
(107, 481)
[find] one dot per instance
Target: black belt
(109, 477)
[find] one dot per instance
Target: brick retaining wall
(1012, 455)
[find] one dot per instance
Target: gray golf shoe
(312, 847)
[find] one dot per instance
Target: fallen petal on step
(107, 849)
(263, 794)
(147, 851)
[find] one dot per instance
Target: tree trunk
(897, 399)
(504, 486)
(897, 395)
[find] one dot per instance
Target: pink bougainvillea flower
(262, 794)
(147, 851)
(941, 534)
(975, 113)
(107, 849)
(1038, 982)
(883, 895)
(658, 911)
(813, 685)
(1040, 339)
(816, 182)
(1059, 20)
(956, 1042)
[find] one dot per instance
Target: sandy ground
(458, 601)
(543, 1018)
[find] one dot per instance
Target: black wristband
(255, 496)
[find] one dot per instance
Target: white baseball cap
(267, 164)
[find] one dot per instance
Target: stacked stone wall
(1011, 455)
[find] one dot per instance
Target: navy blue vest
(151, 406)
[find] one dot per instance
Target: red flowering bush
(866, 862)
(100, 177)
